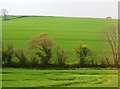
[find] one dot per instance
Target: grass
(15, 77)
(85, 30)
(67, 32)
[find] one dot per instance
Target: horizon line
(61, 16)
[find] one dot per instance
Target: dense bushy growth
(61, 57)
(44, 43)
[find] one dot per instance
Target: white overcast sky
(74, 8)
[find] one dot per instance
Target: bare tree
(5, 14)
(20, 54)
(62, 55)
(111, 37)
(7, 55)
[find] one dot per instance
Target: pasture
(18, 77)
(67, 32)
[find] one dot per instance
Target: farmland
(67, 32)
(18, 77)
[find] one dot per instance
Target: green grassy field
(67, 32)
(15, 77)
